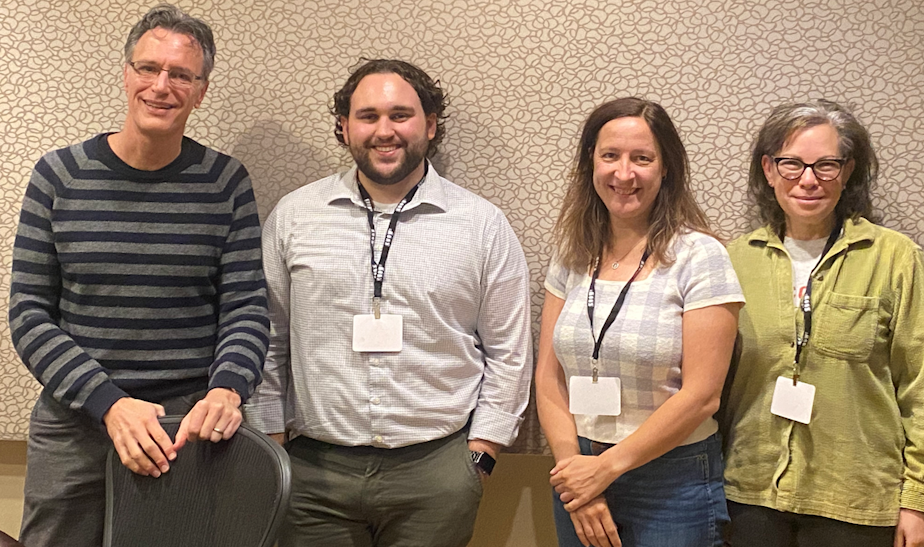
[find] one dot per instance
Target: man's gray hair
(172, 18)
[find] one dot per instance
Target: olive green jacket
(861, 457)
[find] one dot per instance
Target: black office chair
(229, 494)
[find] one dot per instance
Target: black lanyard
(807, 303)
(378, 268)
(591, 303)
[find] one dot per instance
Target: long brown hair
(583, 232)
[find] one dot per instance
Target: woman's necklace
(623, 257)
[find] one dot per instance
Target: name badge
(793, 402)
(382, 334)
(603, 398)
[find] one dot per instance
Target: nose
(162, 82)
(808, 177)
(384, 129)
(622, 169)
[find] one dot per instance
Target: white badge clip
(377, 331)
(594, 395)
(793, 400)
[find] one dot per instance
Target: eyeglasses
(824, 170)
(178, 77)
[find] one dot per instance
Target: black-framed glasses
(824, 170)
(178, 77)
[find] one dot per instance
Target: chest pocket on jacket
(844, 326)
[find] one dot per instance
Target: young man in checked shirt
(396, 369)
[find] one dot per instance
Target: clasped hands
(580, 482)
(144, 446)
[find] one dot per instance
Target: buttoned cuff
(496, 426)
(267, 416)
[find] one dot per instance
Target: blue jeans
(677, 500)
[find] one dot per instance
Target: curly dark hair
(854, 144)
(582, 232)
(432, 97)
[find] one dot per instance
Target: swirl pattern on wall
(521, 74)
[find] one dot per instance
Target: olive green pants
(423, 495)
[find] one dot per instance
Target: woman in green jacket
(825, 414)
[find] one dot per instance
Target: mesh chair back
(228, 494)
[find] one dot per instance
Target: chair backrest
(232, 493)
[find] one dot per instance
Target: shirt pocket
(845, 326)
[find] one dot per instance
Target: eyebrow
(647, 151)
(398, 108)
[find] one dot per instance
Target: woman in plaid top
(638, 327)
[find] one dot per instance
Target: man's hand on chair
(141, 442)
(217, 416)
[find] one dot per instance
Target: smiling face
(807, 202)
(387, 131)
(155, 108)
(627, 170)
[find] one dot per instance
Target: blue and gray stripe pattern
(140, 283)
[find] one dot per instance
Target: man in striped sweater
(137, 289)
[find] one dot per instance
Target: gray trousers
(424, 495)
(65, 496)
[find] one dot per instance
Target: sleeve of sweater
(73, 377)
(243, 321)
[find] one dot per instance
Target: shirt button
(375, 400)
(378, 439)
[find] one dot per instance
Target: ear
(125, 69)
(431, 126)
(767, 163)
(201, 92)
(345, 127)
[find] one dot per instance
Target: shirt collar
(431, 192)
(854, 231)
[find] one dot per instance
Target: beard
(414, 154)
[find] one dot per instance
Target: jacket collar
(854, 232)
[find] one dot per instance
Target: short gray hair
(172, 18)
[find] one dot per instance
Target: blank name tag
(793, 402)
(383, 334)
(601, 399)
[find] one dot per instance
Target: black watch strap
(483, 461)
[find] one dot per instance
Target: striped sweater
(147, 284)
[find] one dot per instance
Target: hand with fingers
(216, 417)
(579, 479)
(594, 525)
(141, 442)
(910, 529)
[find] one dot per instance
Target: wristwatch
(483, 461)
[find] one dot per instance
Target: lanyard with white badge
(594, 395)
(792, 399)
(380, 332)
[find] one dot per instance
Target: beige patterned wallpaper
(522, 74)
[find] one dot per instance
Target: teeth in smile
(386, 148)
(624, 191)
